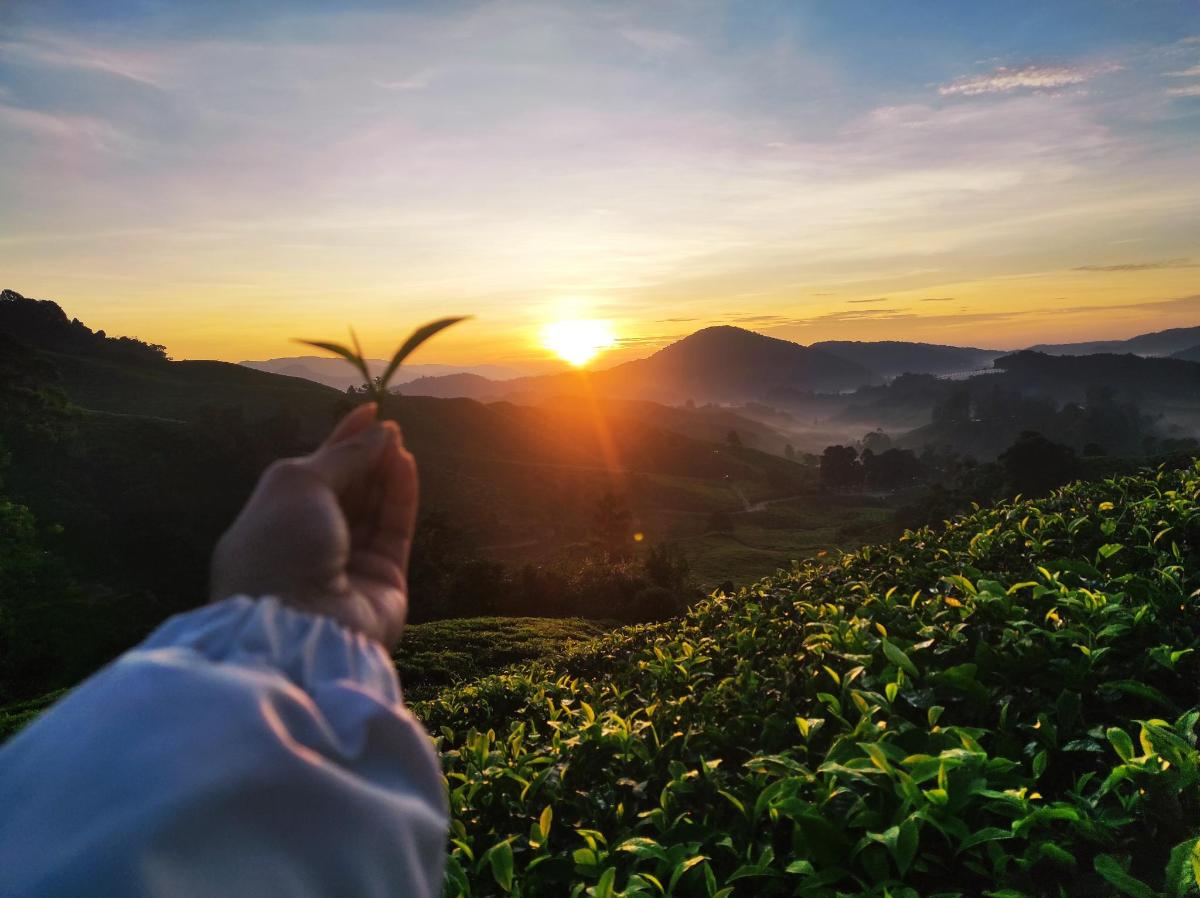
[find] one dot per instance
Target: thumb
(341, 465)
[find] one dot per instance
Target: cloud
(46, 49)
(660, 339)
(1140, 266)
(938, 299)
(655, 40)
(1030, 77)
(772, 321)
(417, 81)
(869, 301)
(1192, 90)
(1193, 72)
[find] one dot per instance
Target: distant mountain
(1070, 378)
(714, 364)
(891, 358)
(1188, 355)
(1156, 343)
(504, 470)
(334, 372)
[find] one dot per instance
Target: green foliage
(437, 654)
(377, 387)
(996, 708)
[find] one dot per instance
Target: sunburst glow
(577, 342)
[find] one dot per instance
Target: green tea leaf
(1183, 869)
(349, 355)
(419, 336)
(1108, 867)
(897, 656)
(1121, 742)
(604, 887)
(500, 858)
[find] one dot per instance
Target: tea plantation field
(430, 657)
(1006, 706)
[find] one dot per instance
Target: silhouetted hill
(1156, 343)
(891, 358)
(714, 364)
(1132, 377)
(43, 323)
(1123, 404)
(463, 386)
(1188, 355)
(506, 471)
(333, 372)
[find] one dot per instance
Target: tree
(733, 440)
(612, 526)
(876, 441)
(955, 409)
(789, 452)
(891, 470)
(840, 468)
(1035, 465)
(667, 567)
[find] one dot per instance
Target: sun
(577, 342)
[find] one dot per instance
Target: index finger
(353, 422)
(397, 516)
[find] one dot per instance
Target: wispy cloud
(656, 40)
(508, 155)
(417, 81)
(1193, 72)
(1140, 266)
(1191, 90)
(40, 48)
(1030, 77)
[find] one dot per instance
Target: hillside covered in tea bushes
(1006, 706)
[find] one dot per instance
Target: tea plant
(1006, 706)
(377, 387)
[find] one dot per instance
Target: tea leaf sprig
(377, 386)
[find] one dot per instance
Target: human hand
(330, 532)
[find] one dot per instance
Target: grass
(1005, 707)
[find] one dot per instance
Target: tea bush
(1005, 706)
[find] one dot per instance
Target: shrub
(1006, 707)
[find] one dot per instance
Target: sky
(221, 176)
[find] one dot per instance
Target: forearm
(243, 749)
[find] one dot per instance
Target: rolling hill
(1155, 343)
(333, 372)
(144, 443)
(720, 364)
(890, 358)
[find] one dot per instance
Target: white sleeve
(244, 749)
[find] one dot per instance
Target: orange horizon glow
(1006, 313)
(577, 342)
(811, 178)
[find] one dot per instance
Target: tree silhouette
(1036, 465)
(612, 526)
(840, 468)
